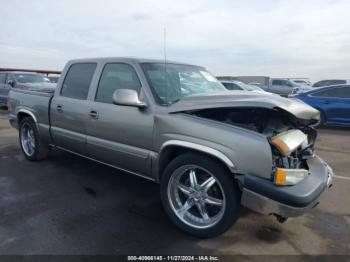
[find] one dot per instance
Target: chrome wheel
(196, 196)
(28, 139)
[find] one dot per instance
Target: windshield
(171, 82)
(30, 78)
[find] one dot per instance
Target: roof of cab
(125, 60)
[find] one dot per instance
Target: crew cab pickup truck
(211, 150)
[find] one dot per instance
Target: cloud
(278, 38)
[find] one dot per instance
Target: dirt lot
(68, 205)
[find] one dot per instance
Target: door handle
(327, 102)
(93, 114)
(59, 108)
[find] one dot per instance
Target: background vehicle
(331, 82)
(260, 81)
(283, 87)
(280, 86)
(301, 81)
(210, 149)
(333, 102)
(53, 79)
(237, 85)
(12, 79)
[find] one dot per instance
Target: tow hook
(280, 219)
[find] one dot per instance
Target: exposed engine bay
(271, 123)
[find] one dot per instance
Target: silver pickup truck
(211, 150)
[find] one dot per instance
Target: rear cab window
(77, 81)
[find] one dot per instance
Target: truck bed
(34, 102)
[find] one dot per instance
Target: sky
(278, 38)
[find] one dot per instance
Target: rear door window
(338, 92)
(342, 92)
(78, 79)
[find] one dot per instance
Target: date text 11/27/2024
(173, 258)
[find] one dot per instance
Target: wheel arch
(23, 113)
(174, 148)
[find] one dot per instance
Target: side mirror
(11, 83)
(127, 97)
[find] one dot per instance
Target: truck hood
(243, 99)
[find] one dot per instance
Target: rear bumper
(263, 196)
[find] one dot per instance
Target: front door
(120, 135)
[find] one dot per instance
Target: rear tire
(29, 140)
(199, 195)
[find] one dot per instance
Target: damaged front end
(292, 183)
(298, 177)
(291, 139)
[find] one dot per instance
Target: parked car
(238, 85)
(280, 86)
(211, 150)
(285, 87)
(12, 79)
(53, 79)
(333, 102)
(301, 81)
(331, 82)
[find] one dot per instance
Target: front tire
(199, 195)
(32, 148)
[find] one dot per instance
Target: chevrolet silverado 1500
(211, 150)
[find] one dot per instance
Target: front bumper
(263, 196)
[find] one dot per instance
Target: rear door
(69, 108)
(120, 135)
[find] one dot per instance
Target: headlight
(288, 141)
(287, 177)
